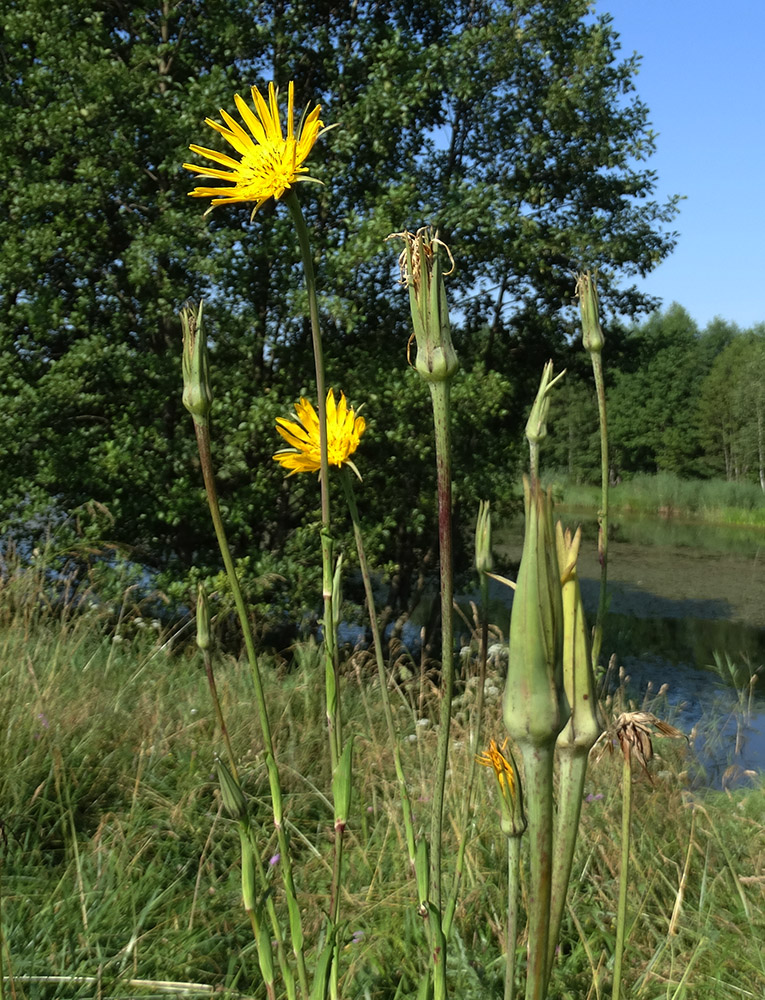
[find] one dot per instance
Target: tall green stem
(331, 666)
(439, 392)
(513, 879)
(597, 637)
(621, 913)
(538, 772)
(205, 457)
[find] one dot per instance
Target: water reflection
(679, 594)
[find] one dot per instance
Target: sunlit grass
(121, 867)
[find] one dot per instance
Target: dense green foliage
(680, 401)
(513, 126)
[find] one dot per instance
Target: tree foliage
(513, 126)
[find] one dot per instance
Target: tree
(511, 125)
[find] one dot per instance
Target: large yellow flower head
(344, 430)
(270, 162)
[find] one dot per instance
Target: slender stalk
(205, 457)
(538, 772)
(330, 644)
(475, 744)
(439, 392)
(621, 913)
(597, 635)
(393, 736)
(513, 879)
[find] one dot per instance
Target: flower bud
(484, 561)
(203, 619)
(592, 333)
(231, 792)
(534, 711)
(197, 396)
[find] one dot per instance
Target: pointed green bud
(231, 792)
(536, 425)
(592, 332)
(584, 726)
(534, 706)
(197, 396)
(341, 786)
(422, 873)
(276, 790)
(203, 619)
(484, 561)
(422, 271)
(248, 869)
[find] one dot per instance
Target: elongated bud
(422, 873)
(536, 425)
(276, 790)
(484, 561)
(197, 396)
(533, 710)
(584, 726)
(248, 870)
(592, 332)
(422, 271)
(203, 619)
(231, 793)
(341, 786)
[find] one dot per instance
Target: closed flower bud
(203, 619)
(534, 711)
(484, 561)
(233, 797)
(592, 333)
(197, 396)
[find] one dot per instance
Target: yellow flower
(513, 818)
(495, 757)
(344, 430)
(270, 161)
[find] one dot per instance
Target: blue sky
(703, 80)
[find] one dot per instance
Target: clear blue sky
(703, 80)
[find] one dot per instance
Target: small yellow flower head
(344, 430)
(513, 818)
(270, 162)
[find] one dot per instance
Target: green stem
(205, 457)
(475, 744)
(572, 769)
(219, 714)
(597, 635)
(393, 736)
(621, 913)
(331, 671)
(538, 772)
(439, 392)
(513, 879)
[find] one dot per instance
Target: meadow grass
(120, 872)
(713, 500)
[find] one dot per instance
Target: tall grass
(120, 873)
(667, 494)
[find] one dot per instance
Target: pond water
(681, 597)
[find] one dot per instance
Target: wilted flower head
(270, 162)
(344, 430)
(422, 271)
